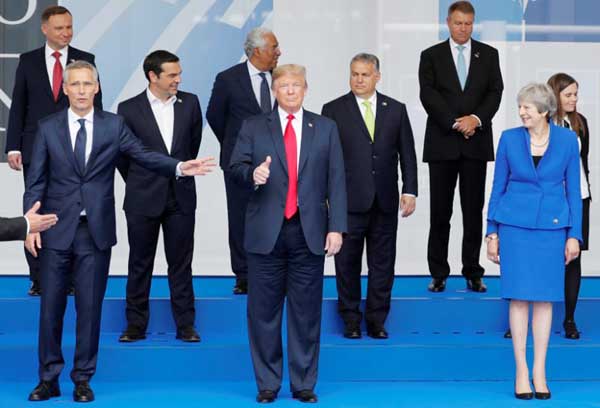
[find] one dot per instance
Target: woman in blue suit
(534, 225)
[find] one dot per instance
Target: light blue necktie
(461, 66)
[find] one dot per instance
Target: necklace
(542, 144)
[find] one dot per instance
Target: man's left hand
(408, 204)
(467, 125)
(197, 167)
(333, 243)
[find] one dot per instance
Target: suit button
(373, 172)
(374, 157)
(555, 221)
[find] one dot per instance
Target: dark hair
(53, 11)
(558, 83)
(462, 6)
(153, 61)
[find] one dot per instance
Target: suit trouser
(442, 183)
(379, 230)
(32, 262)
(291, 271)
(178, 236)
(90, 272)
(237, 202)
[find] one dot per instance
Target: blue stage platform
(444, 350)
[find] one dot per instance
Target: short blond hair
(289, 69)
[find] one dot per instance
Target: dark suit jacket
(584, 136)
(321, 181)
(33, 100)
(232, 100)
(146, 193)
(444, 101)
(372, 167)
(13, 229)
(55, 179)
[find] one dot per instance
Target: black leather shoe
(71, 291)
(305, 396)
(437, 285)
(83, 392)
(241, 287)
(132, 333)
(352, 331)
(507, 334)
(571, 331)
(377, 332)
(44, 391)
(188, 334)
(476, 285)
(541, 395)
(266, 396)
(35, 289)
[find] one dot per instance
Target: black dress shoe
(241, 287)
(266, 396)
(305, 396)
(83, 392)
(507, 334)
(437, 285)
(188, 334)
(44, 391)
(542, 395)
(377, 332)
(35, 289)
(352, 331)
(131, 334)
(476, 285)
(571, 331)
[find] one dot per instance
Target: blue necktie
(265, 94)
(79, 150)
(461, 66)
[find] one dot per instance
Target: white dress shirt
(74, 127)
(164, 114)
(363, 109)
(256, 80)
(297, 125)
(50, 60)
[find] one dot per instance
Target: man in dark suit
(17, 228)
(72, 172)
(168, 121)
(375, 134)
(292, 161)
(461, 89)
(37, 94)
(240, 92)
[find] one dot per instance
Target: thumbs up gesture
(261, 173)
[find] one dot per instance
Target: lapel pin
(383, 103)
(309, 124)
(476, 55)
(179, 100)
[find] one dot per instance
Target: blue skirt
(532, 263)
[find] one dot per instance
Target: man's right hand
(14, 161)
(261, 173)
(39, 222)
(33, 242)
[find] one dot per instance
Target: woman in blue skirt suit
(534, 225)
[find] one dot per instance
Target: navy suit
(286, 257)
(231, 102)
(33, 100)
(373, 200)
(75, 242)
(152, 201)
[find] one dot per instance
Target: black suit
(152, 201)
(33, 100)
(231, 102)
(13, 229)
(450, 155)
(373, 200)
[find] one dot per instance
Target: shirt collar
(73, 117)
(49, 51)
(283, 114)
(252, 70)
(372, 99)
(454, 44)
(154, 100)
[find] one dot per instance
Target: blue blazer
(548, 197)
(55, 179)
(321, 180)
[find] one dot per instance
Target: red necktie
(56, 75)
(289, 140)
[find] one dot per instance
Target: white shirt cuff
(27, 221)
(13, 152)
(178, 172)
(478, 120)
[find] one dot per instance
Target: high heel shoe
(571, 331)
(523, 395)
(541, 395)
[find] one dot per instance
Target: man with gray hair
(238, 93)
(376, 137)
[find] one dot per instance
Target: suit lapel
(277, 137)
(177, 121)
(64, 137)
(356, 116)
(451, 66)
(308, 135)
(382, 109)
(97, 138)
(44, 72)
(474, 63)
(246, 85)
(146, 110)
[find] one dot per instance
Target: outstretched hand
(39, 222)
(197, 167)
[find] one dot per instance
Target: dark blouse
(536, 160)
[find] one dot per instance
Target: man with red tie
(37, 94)
(292, 159)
